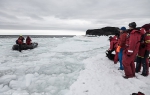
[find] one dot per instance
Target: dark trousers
(144, 61)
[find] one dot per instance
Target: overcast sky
(77, 15)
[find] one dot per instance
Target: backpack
(143, 37)
(147, 29)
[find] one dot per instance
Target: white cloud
(72, 14)
(41, 32)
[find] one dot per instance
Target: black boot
(144, 75)
(125, 77)
(138, 64)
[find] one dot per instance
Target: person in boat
(28, 40)
(21, 38)
(20, 41)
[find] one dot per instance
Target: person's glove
(118, 49)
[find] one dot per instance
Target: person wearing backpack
(131, 50)
(121, 45)
(143, 53)
(147, 41)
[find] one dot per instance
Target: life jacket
(19, 41)
(21, 38)
(28, 40)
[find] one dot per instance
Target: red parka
(144, 49)
(130, 52)
(133, 42)
(28, 40)
(20, 40)
(144, 44)
(113, 43)
(113, 46)
(147, 41)
(122, 40)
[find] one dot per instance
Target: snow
(64, 66)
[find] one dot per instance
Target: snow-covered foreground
(64, 66)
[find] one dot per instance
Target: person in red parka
(147, 41)
(21, 38)
(19, 41)
(113, 46)
(28, 40)
(143, 53)
(121, 45)
(131, 50)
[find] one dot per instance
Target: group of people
(21, 39)
(132, 45)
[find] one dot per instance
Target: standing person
(28, 40)
(113, 46)
(144, 49)
(121, 45)
(146, 56)
(131, 50)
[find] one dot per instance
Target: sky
(73, 15)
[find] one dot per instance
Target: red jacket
(122, 40)
(19, 41)
(147, 41)
(113, 43)
(142, 50)
(146, 29)
(28, 40)
(145, 44)
(21, 38)
(133, 42)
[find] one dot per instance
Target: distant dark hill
(103, 31)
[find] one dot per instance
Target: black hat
(146, 27)
(110, 37)
(132, 24)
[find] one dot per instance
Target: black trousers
(143, 62)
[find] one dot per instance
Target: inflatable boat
(25, 46)
(110, 55)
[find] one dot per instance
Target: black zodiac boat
(25, 46)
